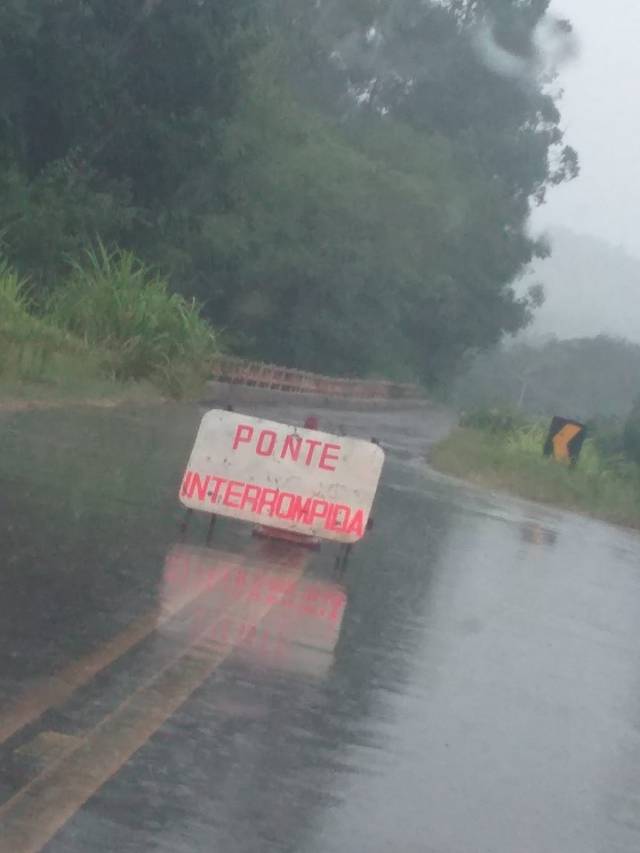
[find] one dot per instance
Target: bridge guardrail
(237, 371)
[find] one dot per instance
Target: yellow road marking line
(55, 689)
(32, 816)
(48, 746)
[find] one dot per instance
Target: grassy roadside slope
(513, 461)
(112, 329)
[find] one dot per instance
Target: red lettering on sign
(267, 443)
(281, 511)
(233, 492)
(293, 444)
(265, 448)
(267, 499)
(319, 509)
(251, 495)
(326, 456)
(259, 500)
(334, 521)
(300, 509)
(185, 491)
(244, 433)
(213, 494)
(194, 483)
(312, 444)
(356, 525)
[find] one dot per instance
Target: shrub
(608, 436)
(527, 438)
(494, 421)
(31, 347)
(14, 299)
(116, 303)
(54, 215)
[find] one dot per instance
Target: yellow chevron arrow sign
(562, 439)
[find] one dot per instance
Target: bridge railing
(237, 371)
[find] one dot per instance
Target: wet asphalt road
(471, 684)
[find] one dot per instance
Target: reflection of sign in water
(298, 633)
(537, 534)
(291, 478)
(565, 440)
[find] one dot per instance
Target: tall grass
(113, 319)
(31, 347)
(114, 302)
(14, 301)
(512, 459)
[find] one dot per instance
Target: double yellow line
(35, 813)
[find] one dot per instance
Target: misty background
(592, 280)
(578, 355)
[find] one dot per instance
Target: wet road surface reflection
(471, 683)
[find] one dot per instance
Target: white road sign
(295, 479)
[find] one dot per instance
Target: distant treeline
(344, 184)
(586, 378)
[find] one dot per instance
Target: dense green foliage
(31, 347)
(494, 421)
(112, 318)
(343, 185)
(584, 378)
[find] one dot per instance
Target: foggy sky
(601, 116)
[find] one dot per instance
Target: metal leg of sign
(184, 524)
(211, 528)
(343, 558)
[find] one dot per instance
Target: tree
(475, 74)
(344, 183)
(118, 94)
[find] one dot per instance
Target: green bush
(54, 215)
(608, 436)
(31, 347)
(494, 421)
(114, 302)
(526, 438)
(14, 301)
